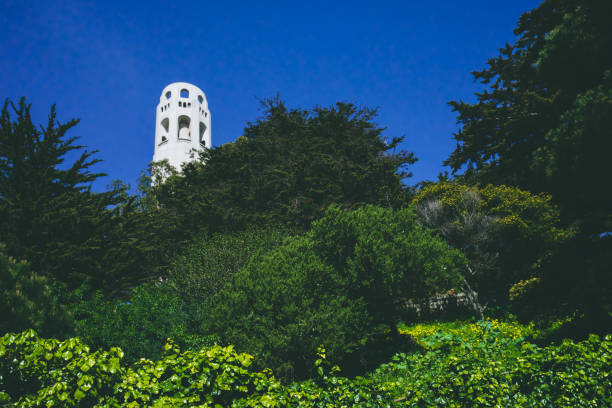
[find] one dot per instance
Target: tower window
(189, 104)
(202, 132)
(183, 128)
(165, 124)
(184, 93)
(200, 98)
(168, 95)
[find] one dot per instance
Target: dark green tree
(27, 299)
(49, 215)
(544, 122)
(288, 167)
(344, 285)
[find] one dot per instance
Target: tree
(48, 213)
(344, 285)
(505, 232)
(544, 122)
(27, 299)
(199, 273)
(287, 168)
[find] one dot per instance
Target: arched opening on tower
(183, 128)
(165, 124)
(184, 93)
(202, 132)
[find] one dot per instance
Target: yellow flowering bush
(506, 233)
(425, 334)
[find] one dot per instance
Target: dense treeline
(543, 123)
(304, 232)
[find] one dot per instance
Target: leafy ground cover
(38, 372)
(493, 364)
(490, 363)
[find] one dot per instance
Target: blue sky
(106, 62)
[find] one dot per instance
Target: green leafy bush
(37, 372)
(489, 363)
(506, 233)
(343, 285)
(27, 300)
(141, 322)
(200, 272)
(139, 325)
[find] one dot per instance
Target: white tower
(182, 124)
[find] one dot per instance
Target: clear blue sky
(107, 62)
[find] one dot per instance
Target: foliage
(26, 299)
(139, 324)
(506, 233)
(286, 169)
(576, 279)
(140, 321)
(343, 285)
(490, 364)
(543, 124)
(37, 372)
(199, 273)
(50, 216)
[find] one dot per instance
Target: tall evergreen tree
(545, 121)
(48, 213)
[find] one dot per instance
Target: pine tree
(48, 213)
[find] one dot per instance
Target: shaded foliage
(575, 280)
(198, 274)
(139, 324)
(50, 216)
(543, 124)
(287, 168)
(27, 300)
(343, 285)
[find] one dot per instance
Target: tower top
(182, 89)
(182, 124)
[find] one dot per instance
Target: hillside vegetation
(297, 267)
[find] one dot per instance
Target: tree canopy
(289, 166)
(544, 122)
(49, 214)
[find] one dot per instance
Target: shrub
(506, 233)
(341, 285)
(489, 363)
(27, 300)
(139, 324)
(37, 372)
(200, 272)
